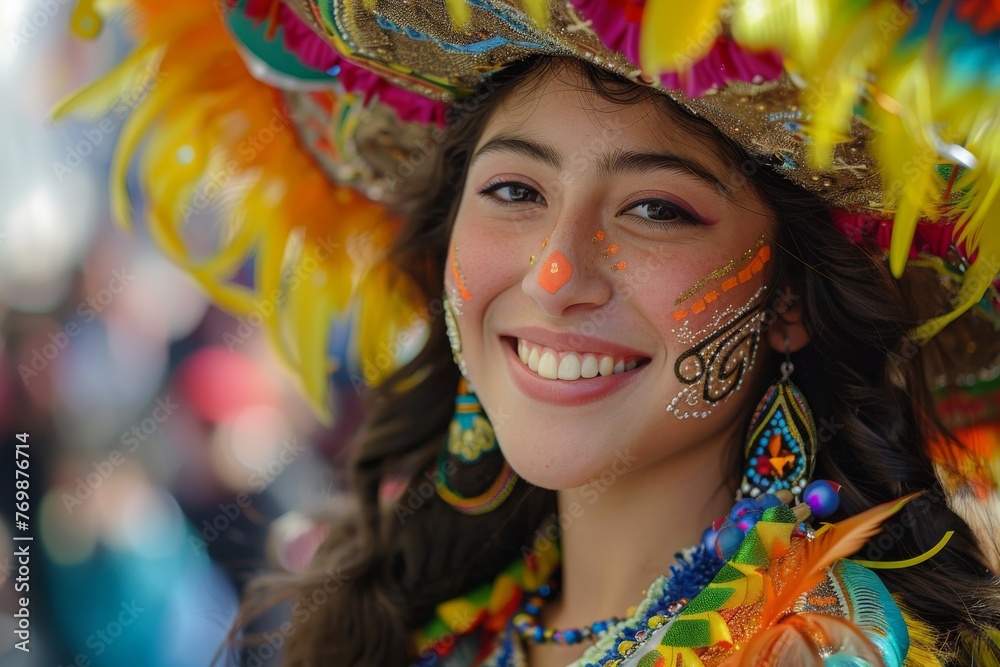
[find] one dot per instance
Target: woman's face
(607, 271)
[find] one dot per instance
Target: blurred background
(170, 456)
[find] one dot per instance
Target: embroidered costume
(294, 123)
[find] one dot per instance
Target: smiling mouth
(553, 364)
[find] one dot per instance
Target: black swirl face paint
(718, 357)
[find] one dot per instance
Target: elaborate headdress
(293, 122)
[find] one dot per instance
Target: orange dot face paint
(555, 272)
(756, 257)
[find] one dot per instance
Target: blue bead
(729, 539)
(822, 497)
(571, 636)
(742, 507)
(708, 538)
(748, 520)
(599, 627)
(544, 590)
(539, 634)
(767, 501)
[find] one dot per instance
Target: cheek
(656, 284)
(483, 262)
(707, 299)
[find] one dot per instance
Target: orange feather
(799, 641)
(832, 542)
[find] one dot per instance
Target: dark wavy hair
(391, 569)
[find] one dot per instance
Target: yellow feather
(232, 298)
(458, 10)
(310, 316)
(800, 27)
(201, 107)
(131, 136)
(925, 642)
(539, 11)
(672, 40)
(96, 100)
(910, 180)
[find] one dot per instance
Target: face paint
(460, 286)
(555, 272)
(748, 256)
(609, 251)
(754, 266)
(717, 359)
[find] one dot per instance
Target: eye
(512, 192)
(662, 211)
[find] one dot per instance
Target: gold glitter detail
(531, 261)
(764, 118)
(727, 268)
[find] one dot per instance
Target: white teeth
(548, 367)
(569, 367)
(546, 362)
(533, 360)
(607, 366)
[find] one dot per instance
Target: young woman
(624, 278)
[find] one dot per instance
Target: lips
(569, 365)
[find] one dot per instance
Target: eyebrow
(524, 147)
(632, 162)
(620, 162)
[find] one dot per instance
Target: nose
(569, 273)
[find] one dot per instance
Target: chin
(555, 465)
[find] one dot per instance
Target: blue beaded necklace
(695, 569)
(527, 625)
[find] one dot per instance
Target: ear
(788, 325)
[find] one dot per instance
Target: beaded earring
(472, 474)
(780, 451)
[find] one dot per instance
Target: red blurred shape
(219, 384)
